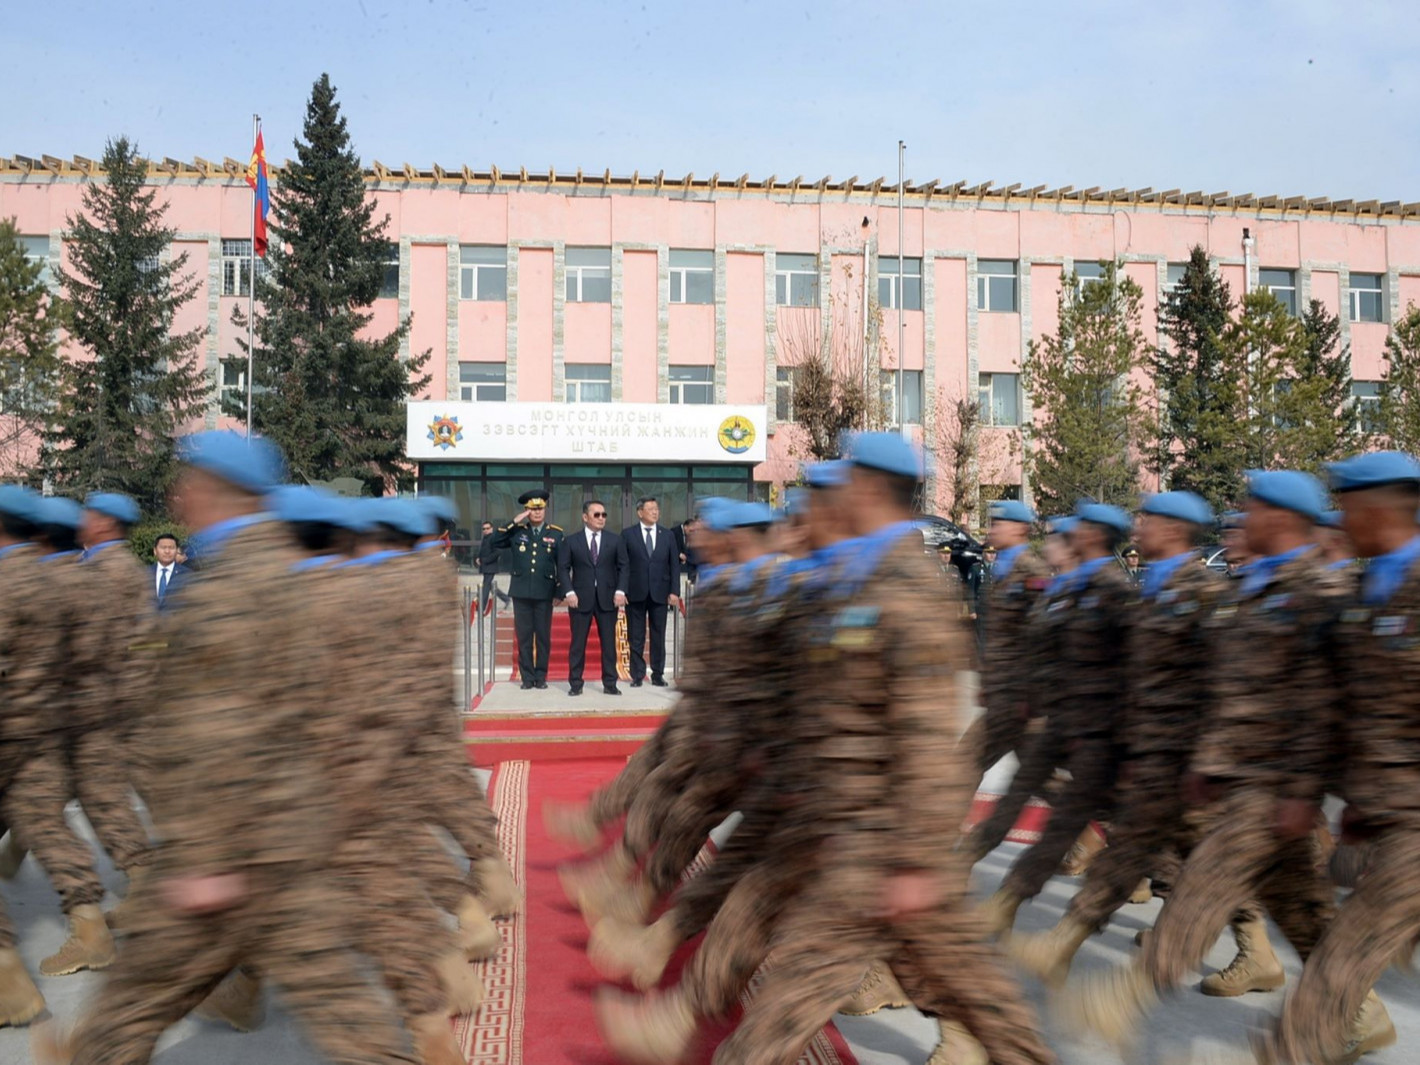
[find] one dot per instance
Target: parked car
(938, 532)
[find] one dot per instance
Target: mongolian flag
(256, 178)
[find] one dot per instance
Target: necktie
(163, 584)
(595, 549)
(650, 544)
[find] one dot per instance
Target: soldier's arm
(503, 538)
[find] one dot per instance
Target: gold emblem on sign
(736, 434)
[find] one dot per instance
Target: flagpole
(251, 286)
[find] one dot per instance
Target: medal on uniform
(1390, 626)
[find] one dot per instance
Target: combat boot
(1112, 1005)
(460, 983)
(957, 1046)
(592, 886)
(20, 1000)
(621, 951)
(999, 913)
(878, 991)
(1256, 967)
(49, 1045)
(1047, 955)
(12, 856)
(89, 946)
(478, 937)
(1082, 852)
(570, 825)
(1143, 892)
(1371, 1030)
(654, 1030)
(236, 1002)
(498, 890)
(122, 914)
(434, 1040)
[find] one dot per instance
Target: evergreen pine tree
(1397, 417)
(329, 394)
(1090, 417)
(1329, 363)
(29, 354)
(1198, 381)
(141, 383)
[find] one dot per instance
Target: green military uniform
(533, 588)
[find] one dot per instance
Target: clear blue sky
(1298, 97)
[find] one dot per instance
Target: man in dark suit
(592, 569)
(488, 566)
(168, 573)
(652, 586)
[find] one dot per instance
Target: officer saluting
(534, 545)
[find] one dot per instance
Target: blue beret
(302, 503)
(352, 514)
(1012, 510)
(796, 501)
(1106, 515)
(829, 474)
(745, 514)
(1184, 506)
(1373, 470)
(1288, 489)
(440, 508)
(254, 464)
(403, 515)
(1331, 519)
(1061, 523)
(20, 502)
(61, 511)
(886, 452)
(114, 504)
(714, 513)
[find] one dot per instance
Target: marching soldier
(534, 544)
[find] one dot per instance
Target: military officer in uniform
(534, 545)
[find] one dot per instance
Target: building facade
(639, 299)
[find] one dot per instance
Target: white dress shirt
(158, 577)
(648, 530)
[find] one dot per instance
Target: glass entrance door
(569, 495)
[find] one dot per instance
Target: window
(1366, 298)
(587, 382)
(784, 382)
(236, 267)
(389, 273)
(1282, 284)
(796, 280)
(996, 285)
(36, 250)
(483, 273)
(911, 285)
(692, 277)
(1000, 397)
(1368, 402)
(692, 384)
(909, 412)
(1174, 276)
(589, 275)
(1088, 274)
(483, 382)
(234, 381)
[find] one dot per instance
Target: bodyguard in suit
(592, 569)
(168, 573)
(652, 585)
(534, 545)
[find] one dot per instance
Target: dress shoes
(610, 689)
(574, 691)
(526, 685)
(539, 684)
(658, 682)
(636, 684)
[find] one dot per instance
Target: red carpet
(539, 1009)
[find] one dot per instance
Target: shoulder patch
(557, 527)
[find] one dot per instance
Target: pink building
(676, 309)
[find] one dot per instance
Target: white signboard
(585, 432)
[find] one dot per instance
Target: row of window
(483, 276)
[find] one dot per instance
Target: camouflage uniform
(114, 667)
(1168, 704)
(1379, 922)
(1044, 745)
(239, 786)
(1004, 674)
(1092, 675)
(885, 787)
(36, 796)
(1272, 736)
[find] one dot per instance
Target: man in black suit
(653, 585)
(488, 566)
(592, 569)
(168, 573)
